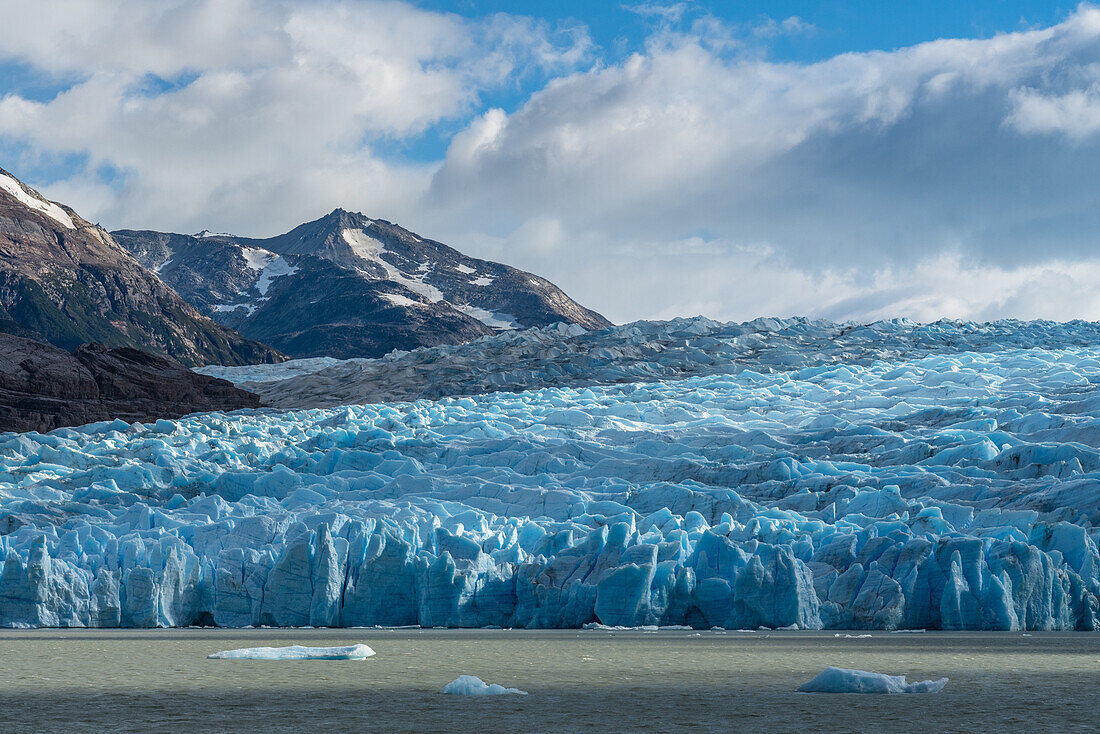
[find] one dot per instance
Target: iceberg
(296, 652)
(471, 685)
(884, 477)
(845, 680)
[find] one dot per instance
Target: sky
(845, 160)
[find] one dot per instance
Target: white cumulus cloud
(861, 176)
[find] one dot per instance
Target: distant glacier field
(800, 475)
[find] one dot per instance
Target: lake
(578, 681)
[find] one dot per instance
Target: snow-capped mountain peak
(31, 199)
(347, 285)
(68, 282)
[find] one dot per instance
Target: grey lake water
(578, 681)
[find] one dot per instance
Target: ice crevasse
(949, 491)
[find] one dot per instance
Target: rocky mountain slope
(349, 286)
(66, 281)
(43, 387)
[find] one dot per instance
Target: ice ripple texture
(949, 491)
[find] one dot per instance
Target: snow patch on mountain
(499, 321)
(257, 258)
(274, 269)
(370, 249)
(51, 210)
(399, 300)
(226, 307)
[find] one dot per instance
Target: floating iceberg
(905, 486)
(296, 652)
(471, 685)
(844, 680)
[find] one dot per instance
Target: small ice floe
(471, 685)
(621, 628)
(851, 637)
(844, 680)
(296, 652)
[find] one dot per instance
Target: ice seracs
(904, 489)
(845, 680)
(296, 652)
(471, 685)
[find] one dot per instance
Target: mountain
(43, 387)
(347, 286)
(66, 281)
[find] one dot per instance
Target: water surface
(579, 681)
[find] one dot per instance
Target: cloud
(225, 110)
(953, 178)
(669, 12)
(1074, 114)
(790, 26)
(861, 175)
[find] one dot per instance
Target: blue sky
(849, 160)
(839, 26)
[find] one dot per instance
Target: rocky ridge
(65, 281)
(43, 387)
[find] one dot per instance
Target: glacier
(565, 355)
(797, 473)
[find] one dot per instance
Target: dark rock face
(349, 286)
(65, 281)
(43, 387)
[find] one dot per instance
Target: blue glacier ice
(644, 351)
(891, 476)
(844, 680)
(296, 652)
(471, 685)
